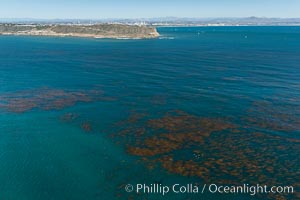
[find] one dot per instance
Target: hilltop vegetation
(95, 31)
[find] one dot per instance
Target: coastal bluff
(115, 31)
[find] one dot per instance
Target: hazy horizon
(132, 18)
(132, 9)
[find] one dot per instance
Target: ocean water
(82, 118)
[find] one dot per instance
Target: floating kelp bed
(271, 116)
(259, 148)
(216, 149)
(48, 99)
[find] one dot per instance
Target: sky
(98, 9)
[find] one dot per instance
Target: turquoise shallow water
(55, 144)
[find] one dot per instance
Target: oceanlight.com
(210, 188)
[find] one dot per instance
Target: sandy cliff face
(94, 31)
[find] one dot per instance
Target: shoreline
(103, 31)
(80, 36)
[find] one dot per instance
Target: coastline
(83, 36)
(104, 31)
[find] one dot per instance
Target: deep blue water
(204, 71)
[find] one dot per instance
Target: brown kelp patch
(180, 131)
(86, 126)
(266, 115)
(48, 99)
(214, 149)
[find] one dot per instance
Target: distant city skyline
(93, 9)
